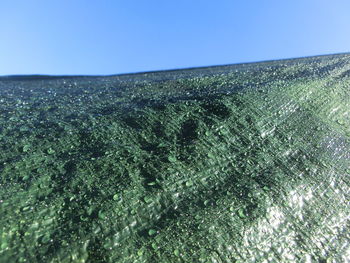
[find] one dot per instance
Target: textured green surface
(242, 163)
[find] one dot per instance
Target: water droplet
(152, 232)
(3, 245)
(340, 121)
(266, 188)
(25, 178)
(26, 208)
(189, 183)
(101, 215)
(241, 213)
(210, 155)
(154, 245)
(26, 148)
(46, 238)
(115, 197)
(90, 210)
(176, 252)
(50, 151)
(172, 159)
(147, 199)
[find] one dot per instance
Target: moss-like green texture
(241, 163)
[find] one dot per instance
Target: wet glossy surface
(241, 163)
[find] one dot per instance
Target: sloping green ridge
(240, 163)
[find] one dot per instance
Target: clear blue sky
(114, 36)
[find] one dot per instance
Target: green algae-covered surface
(240, 163)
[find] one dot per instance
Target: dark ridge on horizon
(47, 77)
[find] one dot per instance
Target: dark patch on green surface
(188, 133)
(133, 122)
(217, 109)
